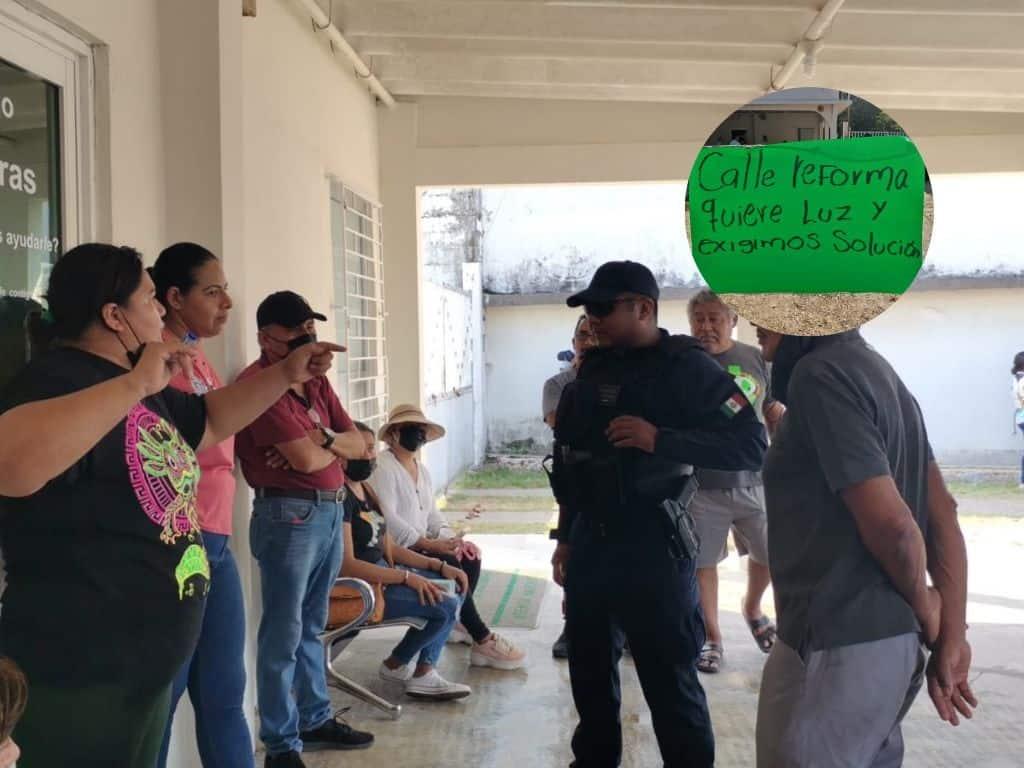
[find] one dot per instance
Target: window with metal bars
(359, 304)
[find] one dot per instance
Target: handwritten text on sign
(809, 217)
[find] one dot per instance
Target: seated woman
(369, 554)
(406, 494)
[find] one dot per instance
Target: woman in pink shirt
(190, 283)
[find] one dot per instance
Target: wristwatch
(328, 438)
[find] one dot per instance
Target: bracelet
(406, 581)
(440, 571)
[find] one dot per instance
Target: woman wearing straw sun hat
(406, 495)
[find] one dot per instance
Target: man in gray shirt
(582, 340)
(733, 500)
(857, 513)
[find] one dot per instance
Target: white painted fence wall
(953, 348)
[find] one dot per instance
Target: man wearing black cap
(295, 535)
(645, 407)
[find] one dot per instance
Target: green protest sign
(808, 217)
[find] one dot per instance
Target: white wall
(460, 409)
(522, 343)
(402, 262)
(536, 236)
(130, 30)
(953, 348)
(305, 117)
(447, 457)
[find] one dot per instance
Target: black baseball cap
(287, 309)
(614, 278)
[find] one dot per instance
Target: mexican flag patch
(734, 404)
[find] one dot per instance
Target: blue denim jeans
(402, 602)
(1021, 427)
(298, 547)
(215, 675)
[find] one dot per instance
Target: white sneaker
(459, 636)
(497, 652)
(434, 687)
(399, 675)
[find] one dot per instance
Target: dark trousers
(215, 675)
(469, 616)
(106, 725)
(626, 585)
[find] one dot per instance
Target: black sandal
(763, 631)
(711, 659)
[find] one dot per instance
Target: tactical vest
(611, 383)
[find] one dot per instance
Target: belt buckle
(335, 497)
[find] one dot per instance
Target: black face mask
(360, 469)
(301, 341)
(412, 437)
(133, 355)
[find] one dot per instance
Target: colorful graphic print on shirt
(164, 474)
(375, 520)
(747, 383)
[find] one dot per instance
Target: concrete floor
(525, 719)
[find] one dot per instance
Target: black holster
(684, 542)
(556, 477)
(562, 468)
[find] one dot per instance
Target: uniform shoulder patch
(734, 404)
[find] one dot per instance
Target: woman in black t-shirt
(106, 570)
(371, 555)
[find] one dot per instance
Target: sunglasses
(603, 308)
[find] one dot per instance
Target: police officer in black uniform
(645, 408)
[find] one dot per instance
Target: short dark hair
(177, 266)
(82, 282)
(1018, 363)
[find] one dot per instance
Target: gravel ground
(809, 314)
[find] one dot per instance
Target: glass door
(30, 204)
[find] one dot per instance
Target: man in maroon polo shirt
(295, 535)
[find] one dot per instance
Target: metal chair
(336, 640)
